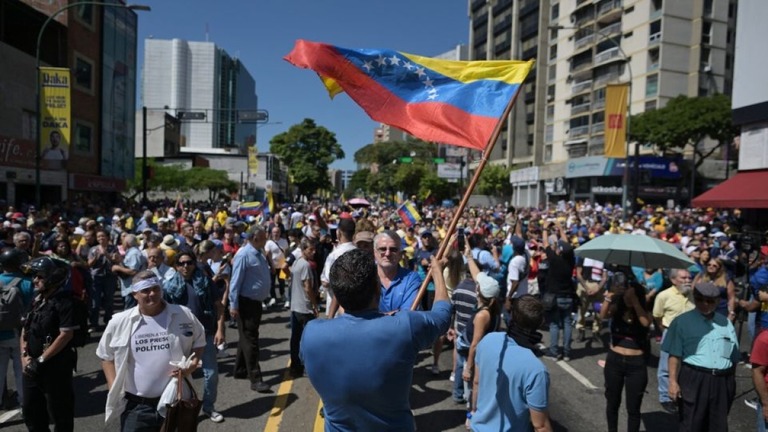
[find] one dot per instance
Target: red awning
(747, 189)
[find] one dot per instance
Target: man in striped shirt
(464, 300)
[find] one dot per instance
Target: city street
(576, 393)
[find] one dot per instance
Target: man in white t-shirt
(346, 232)
(137, 348)
(518, 269)
(276, 247)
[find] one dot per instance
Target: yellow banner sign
(55, 117)
(616, 120)
(253, 160)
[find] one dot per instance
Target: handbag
(549, 300)
(181, 415)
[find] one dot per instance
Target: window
(652, 85)
(706, 32)
(549, 134)
(555, 12)
(548, 153)
(708, 8)
(84, 14)
(28, 125)
(553, 52)
(83, 138)
(705, 60)
(550, 112)
(83, 73)
(650, 105)
(653, 59)
(552, 73)
(655, 31)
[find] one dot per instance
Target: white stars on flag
(376, 67)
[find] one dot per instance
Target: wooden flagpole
(465, 198)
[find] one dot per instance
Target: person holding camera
(625, 364)
(48, 357)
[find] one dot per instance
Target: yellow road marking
(319, 421)
(276, 415)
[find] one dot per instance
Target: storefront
(525, 187)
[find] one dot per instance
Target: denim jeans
(560, 319)
(102, 297)
(10, 351)
(298, 322)
(762, 425)
(624, 372)
(210, 374)
(663, 373)
(460, 391)
(140, 418)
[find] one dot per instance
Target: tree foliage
(686, 121)
(387, 152)
(307, 150)
(169, 178)
(494, 180)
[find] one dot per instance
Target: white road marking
(9, 415)
(574, 373)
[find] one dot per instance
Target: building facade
(98, 46)
(210, 91)
(662, 48)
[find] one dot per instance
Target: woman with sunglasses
(716, 274)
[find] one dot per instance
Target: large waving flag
(454, 102)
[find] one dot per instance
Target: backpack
(11, 306)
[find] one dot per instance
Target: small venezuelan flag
(453, 102)
(251, 208)
(408, 213)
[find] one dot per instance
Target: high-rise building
(664, 48)
(386, 133)
(205, 87)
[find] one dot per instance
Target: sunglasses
(186, 263)
(392, 250)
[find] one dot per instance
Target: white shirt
(151, 351)
(276, 250)
(516, 272)
(185, 333)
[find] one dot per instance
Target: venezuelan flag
(251, 208)
(408, 213)
(454, 102)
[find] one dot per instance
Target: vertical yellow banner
(55, 117)
(616, 120)
(253, 160)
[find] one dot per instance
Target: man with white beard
(669, 304)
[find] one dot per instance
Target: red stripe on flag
(430, 121)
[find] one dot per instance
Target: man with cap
(703, 352)
(364, 240)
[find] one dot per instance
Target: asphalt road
(576, 394)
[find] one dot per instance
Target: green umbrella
(634, 250)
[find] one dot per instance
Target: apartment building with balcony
(664, 48)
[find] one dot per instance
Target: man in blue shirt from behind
(361, 363)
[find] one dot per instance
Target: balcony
(611, 30)
(580, 108)
(654, 15)
(598, 104)
(584, 41)
(598, 128)
(581, 86)
(654, 39)
(584, 19)
(609, 11)
(652, 66)
(607, 55)
(578, 131)
(603, 79)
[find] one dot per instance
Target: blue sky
(261, 32)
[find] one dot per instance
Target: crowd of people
(188, 271)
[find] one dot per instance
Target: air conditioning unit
(707, 68)
(550, 98)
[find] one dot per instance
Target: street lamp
(38, 141)
(624, 197)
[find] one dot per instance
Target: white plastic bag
(169, 394)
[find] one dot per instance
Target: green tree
(386, 152)
(307, 150)
(359, 181)
(434, 186)
(686, 121)
(176, 177)
(494, 180)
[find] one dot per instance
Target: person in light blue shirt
(361, 363)
(703, 351)
(399, 285)
(511, 384)
(248, 288)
